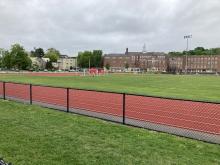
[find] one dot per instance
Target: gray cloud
(110, 25)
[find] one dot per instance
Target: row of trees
(18, 58)
(88, 59)
(51, 53)
(197, 51)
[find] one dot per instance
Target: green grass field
(193, 87)
(31, 135)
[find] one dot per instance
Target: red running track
(49, 95)
(19, 91)
(107, 103)
(203, 117)
(197, 116)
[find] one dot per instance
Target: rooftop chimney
(126, 52)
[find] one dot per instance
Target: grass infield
(31, 135)
(193, 87)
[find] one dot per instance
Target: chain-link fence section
(186, 118)
(18, 92)
(198, 120)
(98, 104)
(50, 97)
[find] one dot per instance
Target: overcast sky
(111, 25)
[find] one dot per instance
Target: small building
(39, 63)
(66, 63)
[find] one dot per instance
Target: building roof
(66, 56)
(136, 54)
(115, 54)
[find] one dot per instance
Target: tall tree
(16, 58)
(85, 59)
(20, 59)
(2, 53)
(7, 61)
(97, 55)
(88, 58)
(49, 65)
(38, 52)
(0, 62)
(126, 65)
(107, 66)
(52, 54)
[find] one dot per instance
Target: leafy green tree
(107, 66)
(85, 59)
(126, 65)
(7, 61)
(2, 53)
(52, 54)
(88, 58)
(20, 59)
(97, 58)
(197, 51)
(37, 52)
(49, 65)
(175, 53)
(16, 58)
(215, 51)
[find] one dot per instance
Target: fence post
(30, 93)
(124, 95)
(67, 100)
(4, 90)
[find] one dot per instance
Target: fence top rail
(102, 91)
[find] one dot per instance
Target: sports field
(195, 87)
(32, 135)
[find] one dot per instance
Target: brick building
(175, 64)
(161, 62)
(150, 61)
(203, 63)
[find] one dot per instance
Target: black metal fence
(193, 119)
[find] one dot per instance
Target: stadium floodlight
(187, 37)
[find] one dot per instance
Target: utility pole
(187, 37)
(76, 63)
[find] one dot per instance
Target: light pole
(187, 37)
(89, 62)
(211, 59)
